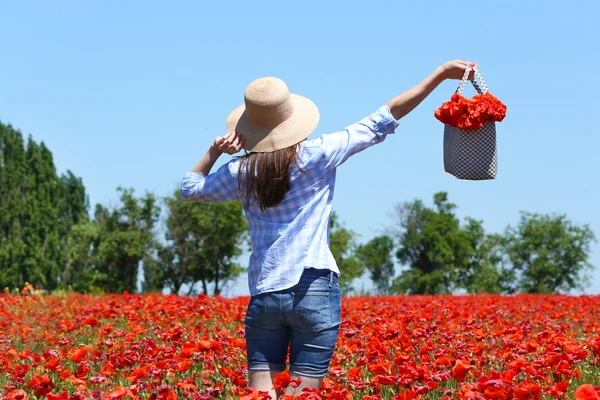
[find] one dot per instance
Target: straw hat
(271, 117)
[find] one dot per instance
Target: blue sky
(132, 93)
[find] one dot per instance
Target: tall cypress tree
(12, 206)
(40, 232)
(39, 212)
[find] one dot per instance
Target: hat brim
(264, 139)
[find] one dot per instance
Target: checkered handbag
(471, 155)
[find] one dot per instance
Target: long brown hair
(267, 175)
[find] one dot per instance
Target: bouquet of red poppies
(470, 131)
(471, 114)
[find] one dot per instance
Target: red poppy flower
(559, 389)
(380, 369)
(63, 396)
(587, 392)
(79, 354)
(528, 390)
(40, 384)
(117, 393)
(443, 361)
(383, 380)
(17, 395)
(281, 380)
(460, 369)
(184, 365)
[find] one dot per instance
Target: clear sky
(132, 93)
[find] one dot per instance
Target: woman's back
(293, 234)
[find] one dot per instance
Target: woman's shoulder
(313, 143)
(310, 154)
(311, 148)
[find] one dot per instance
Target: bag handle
(465, 78)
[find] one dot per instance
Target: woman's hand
(456, 69)
(229, 144)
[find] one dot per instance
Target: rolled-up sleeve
(339, 146)
(218, 186)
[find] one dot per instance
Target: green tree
(547, 254)
(12, 206)
(38, 210)
(174, 264)
(224, 227)
(343, 246)
(125, 237)
(438, 252)
(80, 272)
(376, 256)
(40, 266)
(485, 271)
(203, 241)
(77, 234)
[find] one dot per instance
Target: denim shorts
(305, 317)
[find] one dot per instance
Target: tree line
(50, 239)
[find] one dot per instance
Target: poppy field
(73, 346)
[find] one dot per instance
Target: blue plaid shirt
(294, 234)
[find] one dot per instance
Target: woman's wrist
(214, 149)
(441, 73)
(208, 160)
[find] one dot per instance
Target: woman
(286, 186)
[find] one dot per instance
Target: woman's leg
(313, 311)
(310, 355)
(263, 381)
(267, 341)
